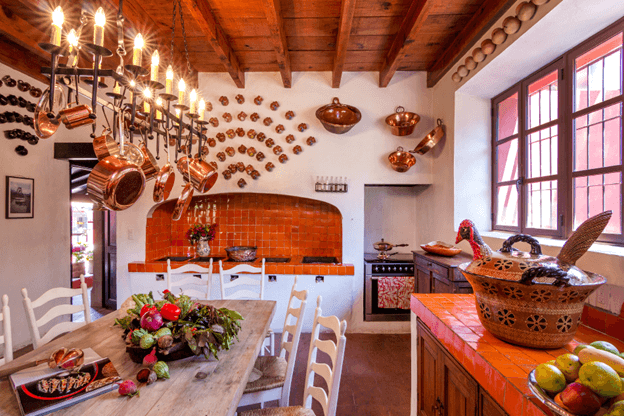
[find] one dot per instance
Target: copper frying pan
(430, 140)
(165, 179)
(183, 202)
(44, 126)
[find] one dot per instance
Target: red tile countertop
(294, 267)
(499, 367)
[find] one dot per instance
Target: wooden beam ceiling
(347, 10)
(201, 13)
(278, 39)
(414, 21)
(489, 12)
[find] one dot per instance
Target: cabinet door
(440, 286)
(423, 280)
(488, 406)
(459, 390)
(429, 355)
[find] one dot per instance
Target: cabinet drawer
(429, 265)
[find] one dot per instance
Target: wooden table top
(217, 394)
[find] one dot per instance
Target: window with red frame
(557, 143)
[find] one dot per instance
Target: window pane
(598, 74)
(595, 194)
(542, 148)
(597, 138)
(542, 205)
(507, 209)
(507, 161)
(543, 96)
(508, 117)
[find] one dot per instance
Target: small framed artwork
(20, 197)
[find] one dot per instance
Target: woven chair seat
(280, 411)
(272, 374)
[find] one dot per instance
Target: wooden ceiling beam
(489, 12)
(414, 21)
(347, 10)
(278, 39)
(203, 16)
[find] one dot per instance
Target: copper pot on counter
(383, 247)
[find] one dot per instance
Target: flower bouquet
(177, 327)
(201, 232)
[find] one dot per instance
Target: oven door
(372, 311)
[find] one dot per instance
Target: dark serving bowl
(241, 253)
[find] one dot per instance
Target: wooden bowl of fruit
(588, 382)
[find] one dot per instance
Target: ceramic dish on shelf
(441, 248)
(545, 398)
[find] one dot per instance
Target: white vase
(203, 248)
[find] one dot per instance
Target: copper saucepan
(149, 166)
(116, 183)
(183, 202)
(44, 126)
(430, 140)
(105, 146)
(197, 172)
(76, 116)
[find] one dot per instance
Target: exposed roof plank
(201, 13)
(278, 38)
(413, 23)
(347, 11)
(489, 12)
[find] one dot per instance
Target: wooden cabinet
(444, 386)
(439, 274)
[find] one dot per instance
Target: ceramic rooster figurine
(511, 264)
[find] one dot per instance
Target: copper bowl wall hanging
(44, 126)
(401, 160)
(430, 140)
(402, 123)
(338, 118)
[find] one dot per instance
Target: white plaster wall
(461, 176)
(34, 253)
(361, 155)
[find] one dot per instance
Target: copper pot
(105, 146)
(401, 160)
(430, 140)
(338, 118)
(133, 154)
(44, 126)
(164, 183)
(149, 166)
(116, 183)
(402, 123)
(183, 202)
(199, 173)
(76, 116)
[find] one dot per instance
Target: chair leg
(272, 346)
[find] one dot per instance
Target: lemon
(569, 365)
(601, 378)
(550, 378)
(605, 346)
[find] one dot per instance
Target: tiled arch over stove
(279, 225)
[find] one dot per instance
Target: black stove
(400, 264)
(396, 258)
(206, 259)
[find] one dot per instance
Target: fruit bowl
(543, 397)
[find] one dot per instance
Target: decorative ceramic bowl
(441, 248)
(241, 253)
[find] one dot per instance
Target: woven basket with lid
(527, 298)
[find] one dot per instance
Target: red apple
(580, 399)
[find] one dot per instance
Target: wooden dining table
(184, 393)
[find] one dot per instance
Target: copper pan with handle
(197, 172)
(105, 145)
(44, 126)
(166, 177)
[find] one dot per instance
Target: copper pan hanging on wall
(430, 140)
(402, 123)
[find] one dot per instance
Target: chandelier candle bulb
(159, 104)
(57, 26)
(193, 101)
(202, 109)
(178, 113)
(72, 39)
(169, 80)
(181, 90)
(98, 27)
(147, 96)
(137, 52)
(117, 88)
(154, 67)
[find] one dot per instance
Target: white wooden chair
(203, 285)
(276, 371)
(328, 399)
(6, 339)
(229, 291)
(59, 292)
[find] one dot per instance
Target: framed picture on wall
(20, 197)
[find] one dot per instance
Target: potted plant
(79, 254)
(199, 235)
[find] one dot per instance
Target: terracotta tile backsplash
(279, 225)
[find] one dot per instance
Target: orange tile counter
(498, 367)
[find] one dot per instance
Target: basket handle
(399, 109)
(536, 249)
(560, 276)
